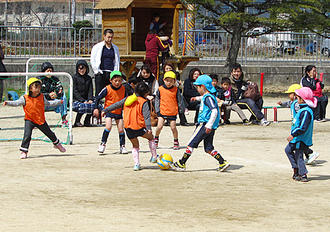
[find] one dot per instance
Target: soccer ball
(164, 161)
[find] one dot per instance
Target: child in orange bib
(137, 121)
(34, 108)
(112, 93)
(168, 103)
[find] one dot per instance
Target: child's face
(35, 89)
(145, 74)
(49, 70)
(116, 81)
(225, 86)
(168, 68)
(169, 82)
(196, 74)
(292, 96)
(157, 19)
(236, 73)
(214, 82)
(300, 100)
(82, 70)
(201, 89)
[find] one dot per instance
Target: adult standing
(2, 69)
(311, 81)
(253, 105)
(104, 59)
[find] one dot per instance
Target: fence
(67, 42)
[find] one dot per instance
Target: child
(34, 107)
(294, 108)
(208, 119)
(137, 122)
(301, 133)
(227, 97)
(168, 103)
(52, 88)
(112, 94)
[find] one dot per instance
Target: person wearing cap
(168, 103)
(34, 108)
(51, 88)
(208, 122)
(105, 58)
(301, 134)
(112, 93)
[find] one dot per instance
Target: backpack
(252, 91)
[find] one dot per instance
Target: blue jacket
(205, 112)
(302, 126)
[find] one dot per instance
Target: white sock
(136, 157)
(152, 147)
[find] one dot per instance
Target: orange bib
(133, 116)
(114, 96)
(34, 109)
(168, 101)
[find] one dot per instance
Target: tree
(239, 16)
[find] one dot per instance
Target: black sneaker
(227, 121)
(302, 178)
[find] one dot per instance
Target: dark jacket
(189, 90)
(52, 84)
(2, 66)
(238, 86)
(221, 94)
(306, 81)
(82, 85)
(154, 45)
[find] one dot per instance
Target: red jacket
(154, 45)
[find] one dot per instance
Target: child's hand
(279, 103)
(62, 101)
(4, 103)
(193, 99)
(208, 130)
(52, 95)
(289, 138)
(96, 113)
(102, 114)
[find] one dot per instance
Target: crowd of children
(127, 102)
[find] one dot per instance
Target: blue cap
(206, 81)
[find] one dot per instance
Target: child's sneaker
(176, 146)
(264, 122)
(246, 122)
(153, 160)
(65, 123)
(137, 167)
(312, 157)
(60, 147)
(23, 155)
(302, 178)
(123, 150)
(222, 167)
(177, 166)
(101, 148)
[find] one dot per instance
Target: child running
(137, 121)
(208, 122)
(168, 103)
(112, 94)
(34, 108)
(294, 108)
(301, 133)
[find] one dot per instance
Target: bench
(265, 108)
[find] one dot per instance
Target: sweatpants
(253, 106)
(235, 108)
(295, 156)
(28, 127)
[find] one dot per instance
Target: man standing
(104, 59)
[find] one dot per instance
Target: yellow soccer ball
(164, 161)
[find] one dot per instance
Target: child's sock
(186, 155)
(105, 135)
(136, 157)
(216, 155)
(156, 140)
(176, 142)
(122, 139)
(152, 146)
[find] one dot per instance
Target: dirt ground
(82, 191)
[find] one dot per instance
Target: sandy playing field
(83, 191)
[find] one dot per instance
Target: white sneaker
(313, 157)
(23, 155)
(123, 150)
(101, 148)
(264, 122)
(323, 120)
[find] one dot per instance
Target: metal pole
(94, 22)
(55, 74)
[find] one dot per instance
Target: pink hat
(307, 95)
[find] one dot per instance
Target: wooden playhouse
(130, 20)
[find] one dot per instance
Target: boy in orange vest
(112, 93)
(137, 121)
(168, 103)
(34, 108)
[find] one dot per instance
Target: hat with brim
(293, 88)
(307, 95)
(206, 81)
(115, 73)
(170, 74)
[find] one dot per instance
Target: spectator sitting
(147, 77)
(82, 94)
(311, 81)
(52, 89)
(239, 86)
(189, 91)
